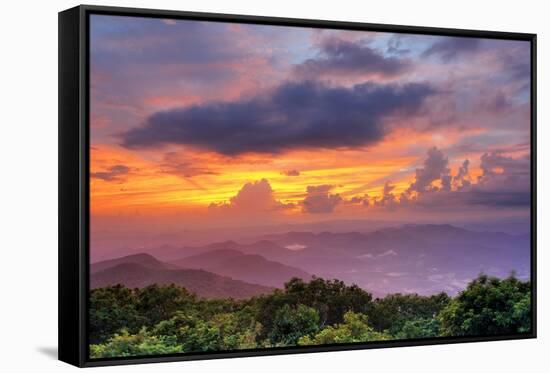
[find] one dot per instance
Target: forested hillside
(169, 319)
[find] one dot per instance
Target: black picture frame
(74, 180)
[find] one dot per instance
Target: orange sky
(168, 99)
(151, 184)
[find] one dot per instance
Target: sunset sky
(202, 124)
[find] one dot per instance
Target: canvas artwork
(262, 187)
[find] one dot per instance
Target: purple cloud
(341, 57)
(319, 200)
(295, 115)
(505, 182)
(114, 173)
(449, 48)
(291, 173)
(435, 168)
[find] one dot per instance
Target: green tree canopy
(292, 323)
(489, 306)
(330, 298)
(168, 319)
(224, 331)
(355, 328)
(393, 311)
(112, 309)
(141, 343)
(157, 303)
(421, 328)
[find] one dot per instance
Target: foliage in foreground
(489, 306)
(169, 319)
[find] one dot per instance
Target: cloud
(318, 199)
(504, 197)
(390, 252)
(462, 178)
(291, 173)
(185, 166)
(119, 42)
(114, 173)
(395, 45)
(361, 200)
(388, 199)
(449, 48)
(253, 198)
(141, 65)
(342, 57)
(495, 164)
(435, 168)
(387, 253)
(294, 115)
(505, 182)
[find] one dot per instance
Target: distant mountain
(204, 284)
(423, 258)
(170, 253)
(406, 237)
(144, 260)
(264, 248)
(246, 267)
(444, 233)
(258, 270)
(208, 259)
(345, 241)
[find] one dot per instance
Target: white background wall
(28, 185)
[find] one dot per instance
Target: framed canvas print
(238, 186)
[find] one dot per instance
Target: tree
(355, 328)
(489, 306)
(292, 323)
(156, 303)
(220, 332)
(522, 313)
(168, 319)
(111, 309)
(330, 298)
(142, 343)
(421, 328)
(393, 311)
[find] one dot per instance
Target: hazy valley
(423, 259)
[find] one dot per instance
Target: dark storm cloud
(341, 57)
(449, 48)
(114, 173)
(294, 115)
